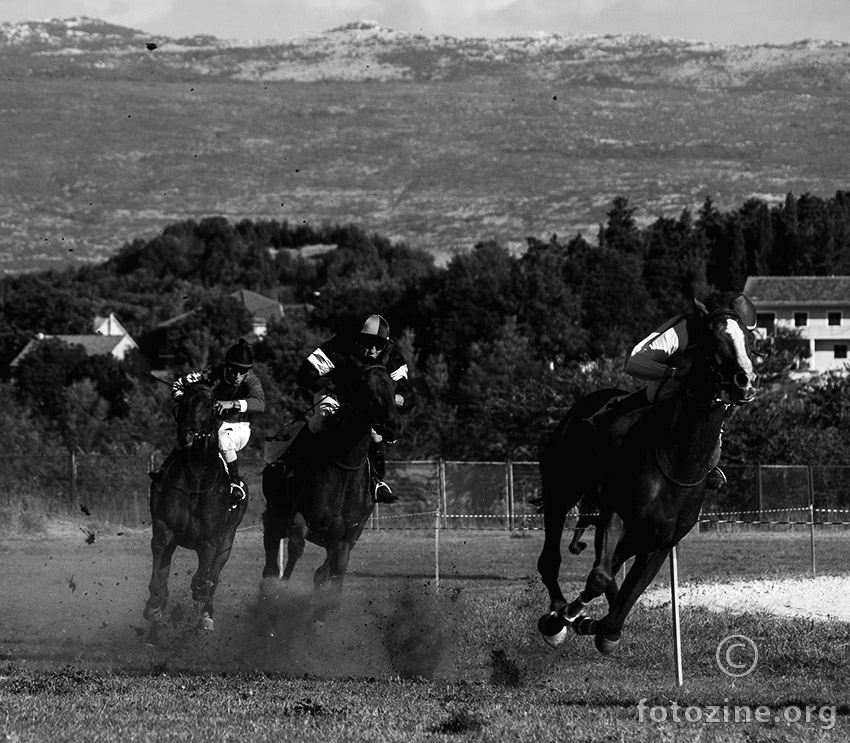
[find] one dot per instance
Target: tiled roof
(94, 345)
(259, 305)
(798, 290)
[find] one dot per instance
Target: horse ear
(700, 307)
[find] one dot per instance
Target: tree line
(499, 345)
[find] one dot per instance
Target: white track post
(677, 629)
(509, 501)
(812, 519)
(280, 558)
(437, 550)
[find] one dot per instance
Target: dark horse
(191, 507)
(325, 498)
(647, 477)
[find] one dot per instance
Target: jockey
(238, 391)
(662, 359)
(334, 362)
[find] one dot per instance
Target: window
(833, 318)
(841, 351)
(766, 321)
(801, 319)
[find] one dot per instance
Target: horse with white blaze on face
(647, 476)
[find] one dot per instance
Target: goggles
(373, 341)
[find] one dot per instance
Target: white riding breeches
(233, 437)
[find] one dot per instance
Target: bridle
(366, 414)
(724, 390)
(196, 434)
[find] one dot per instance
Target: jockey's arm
(193, 377)
(405, 399)
(650, 359)
(255, 398)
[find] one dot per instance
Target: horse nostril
(742, 380)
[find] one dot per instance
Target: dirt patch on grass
(824, 599)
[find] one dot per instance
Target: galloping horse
(191, 508)
(647, 477)
(325, 498)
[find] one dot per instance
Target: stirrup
(383, 494)
(237, 494)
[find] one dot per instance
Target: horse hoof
(577, 548)
(206, 623)
(553, 628)
(606, 645)
(151, 639)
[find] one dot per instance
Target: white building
(817, 306)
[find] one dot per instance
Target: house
(108, 336)
(262, 309)
(817, 306)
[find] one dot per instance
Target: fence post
(443, 501)
(72, 477)
(437, 550)
(812, 518)
(677, 627)
(509, 504)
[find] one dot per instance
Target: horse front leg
(295, 544)
(204, 582)
(207, 587)
(601, 579)
(645, 567)
(552, 625)
(163, 544)
(332, 573)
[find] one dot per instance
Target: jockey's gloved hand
(399, 400)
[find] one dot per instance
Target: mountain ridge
(366, 51)
(111, 134)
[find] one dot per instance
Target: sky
(719, 21)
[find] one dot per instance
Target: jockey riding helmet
(239, 356)
(375, 333)
(737, 302)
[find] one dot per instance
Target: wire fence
(433, 493)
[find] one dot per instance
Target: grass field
(400, 661)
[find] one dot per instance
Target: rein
(658, 456)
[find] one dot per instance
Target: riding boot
(157, 474)
(715, 479)
(381, 492)
(237, 487)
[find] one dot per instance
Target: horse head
(725, 356)
(373, 397)
(195, 414)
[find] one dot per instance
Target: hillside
(111, 134)
(364, 51)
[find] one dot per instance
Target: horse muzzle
(742, 389)
(390, 430)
